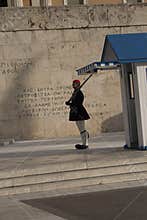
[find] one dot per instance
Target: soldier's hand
(67, 103)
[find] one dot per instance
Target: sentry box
(128, 52)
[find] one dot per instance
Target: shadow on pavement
(124, 204)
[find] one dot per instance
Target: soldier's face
(75, 85)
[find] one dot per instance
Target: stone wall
(40, 50)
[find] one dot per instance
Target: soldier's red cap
(76, 81)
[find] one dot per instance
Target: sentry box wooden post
(128, 52)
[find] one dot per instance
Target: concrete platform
(49, 168)
(51, 165)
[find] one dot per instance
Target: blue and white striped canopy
(93, 67)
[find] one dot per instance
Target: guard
(78, 113)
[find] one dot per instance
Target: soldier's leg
(84, 134)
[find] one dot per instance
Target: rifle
(67, 103)
(85, 81)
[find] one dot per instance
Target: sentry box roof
(120, 49)
(125, 48)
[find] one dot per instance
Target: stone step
(75, 165)
(40, 187)
(72, 178)
(43, 177)
(46, 169)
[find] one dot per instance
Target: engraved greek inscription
(13, 67)
(42, 102)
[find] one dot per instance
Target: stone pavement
(24, 154)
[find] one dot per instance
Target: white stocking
(84, 134)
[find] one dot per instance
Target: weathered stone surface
(36, 71)
(40, 49)
(42, 18)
